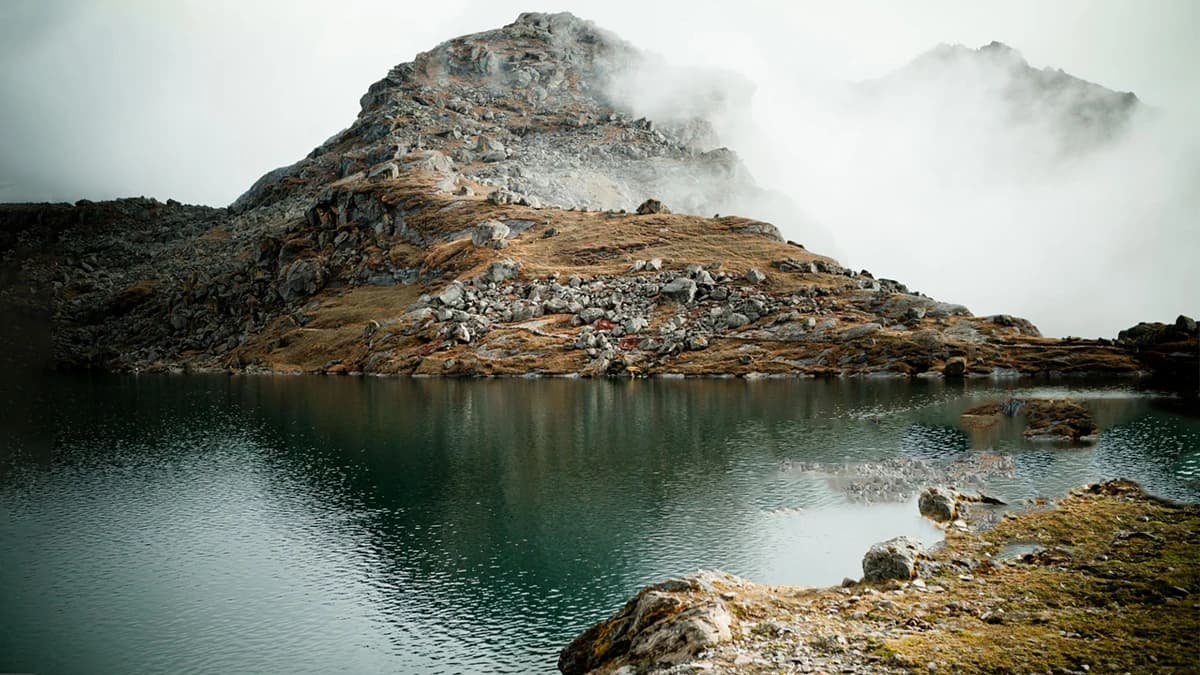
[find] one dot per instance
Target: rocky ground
(489, 213)
(1105, 580)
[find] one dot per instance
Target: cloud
(975, 178)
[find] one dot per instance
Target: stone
(384, 171)
(956, 366)
(489, 233)
(754, 276)
(654, 264)
(590, 315)
(505, 268)
(452, 295)
(856, 332)
(659, 627)
(892, 559)
(938, 504)
(652, 206)
(301, 279)
(680, 289)
(636, 324)
(736, 320)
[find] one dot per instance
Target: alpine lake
(199, 524)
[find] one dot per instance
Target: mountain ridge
(475, 220)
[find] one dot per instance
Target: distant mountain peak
(962, 80)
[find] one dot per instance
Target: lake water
(288, 525)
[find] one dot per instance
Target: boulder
(762, 229)
(590, 315)
(301, 279)
(505, 268)
(663, 625)
(956, 366)
(755, 277)
(856, 332)
(652, 206)
(892, 559)
(736, 320)
(938, 504)
(452, 295)
(681, 289)
(489, 233)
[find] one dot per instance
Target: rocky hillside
(490, 212)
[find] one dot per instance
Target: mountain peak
(529, 111)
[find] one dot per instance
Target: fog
(935, 183)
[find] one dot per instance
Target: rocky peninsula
(1104, 580)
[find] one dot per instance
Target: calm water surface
(287, 525)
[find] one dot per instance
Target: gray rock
(636, 324)
(736, 320)
(301, 279)
(659, 627)
(654, 264)
(384, 171)
(489, 233)
(942, 310)
(855, 332)
(652, 206)
(754, 276)
(938, 504)
(452, 295)
(591, 315)
(681, 289)
(892, 559)
(764, 229)
(501, 270)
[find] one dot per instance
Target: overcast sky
(194, 100)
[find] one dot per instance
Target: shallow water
(276, 524)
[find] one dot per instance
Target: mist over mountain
(981, 175)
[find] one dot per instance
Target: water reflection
(313, 524)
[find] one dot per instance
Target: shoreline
(1104, 579)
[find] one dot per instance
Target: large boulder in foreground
(663, 625)
(892, 559)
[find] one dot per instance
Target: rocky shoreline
(1104, 580)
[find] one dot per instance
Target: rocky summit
(493, 211)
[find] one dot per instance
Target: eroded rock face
(663, 625)
(892, 559)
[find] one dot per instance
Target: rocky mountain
(492, 212)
